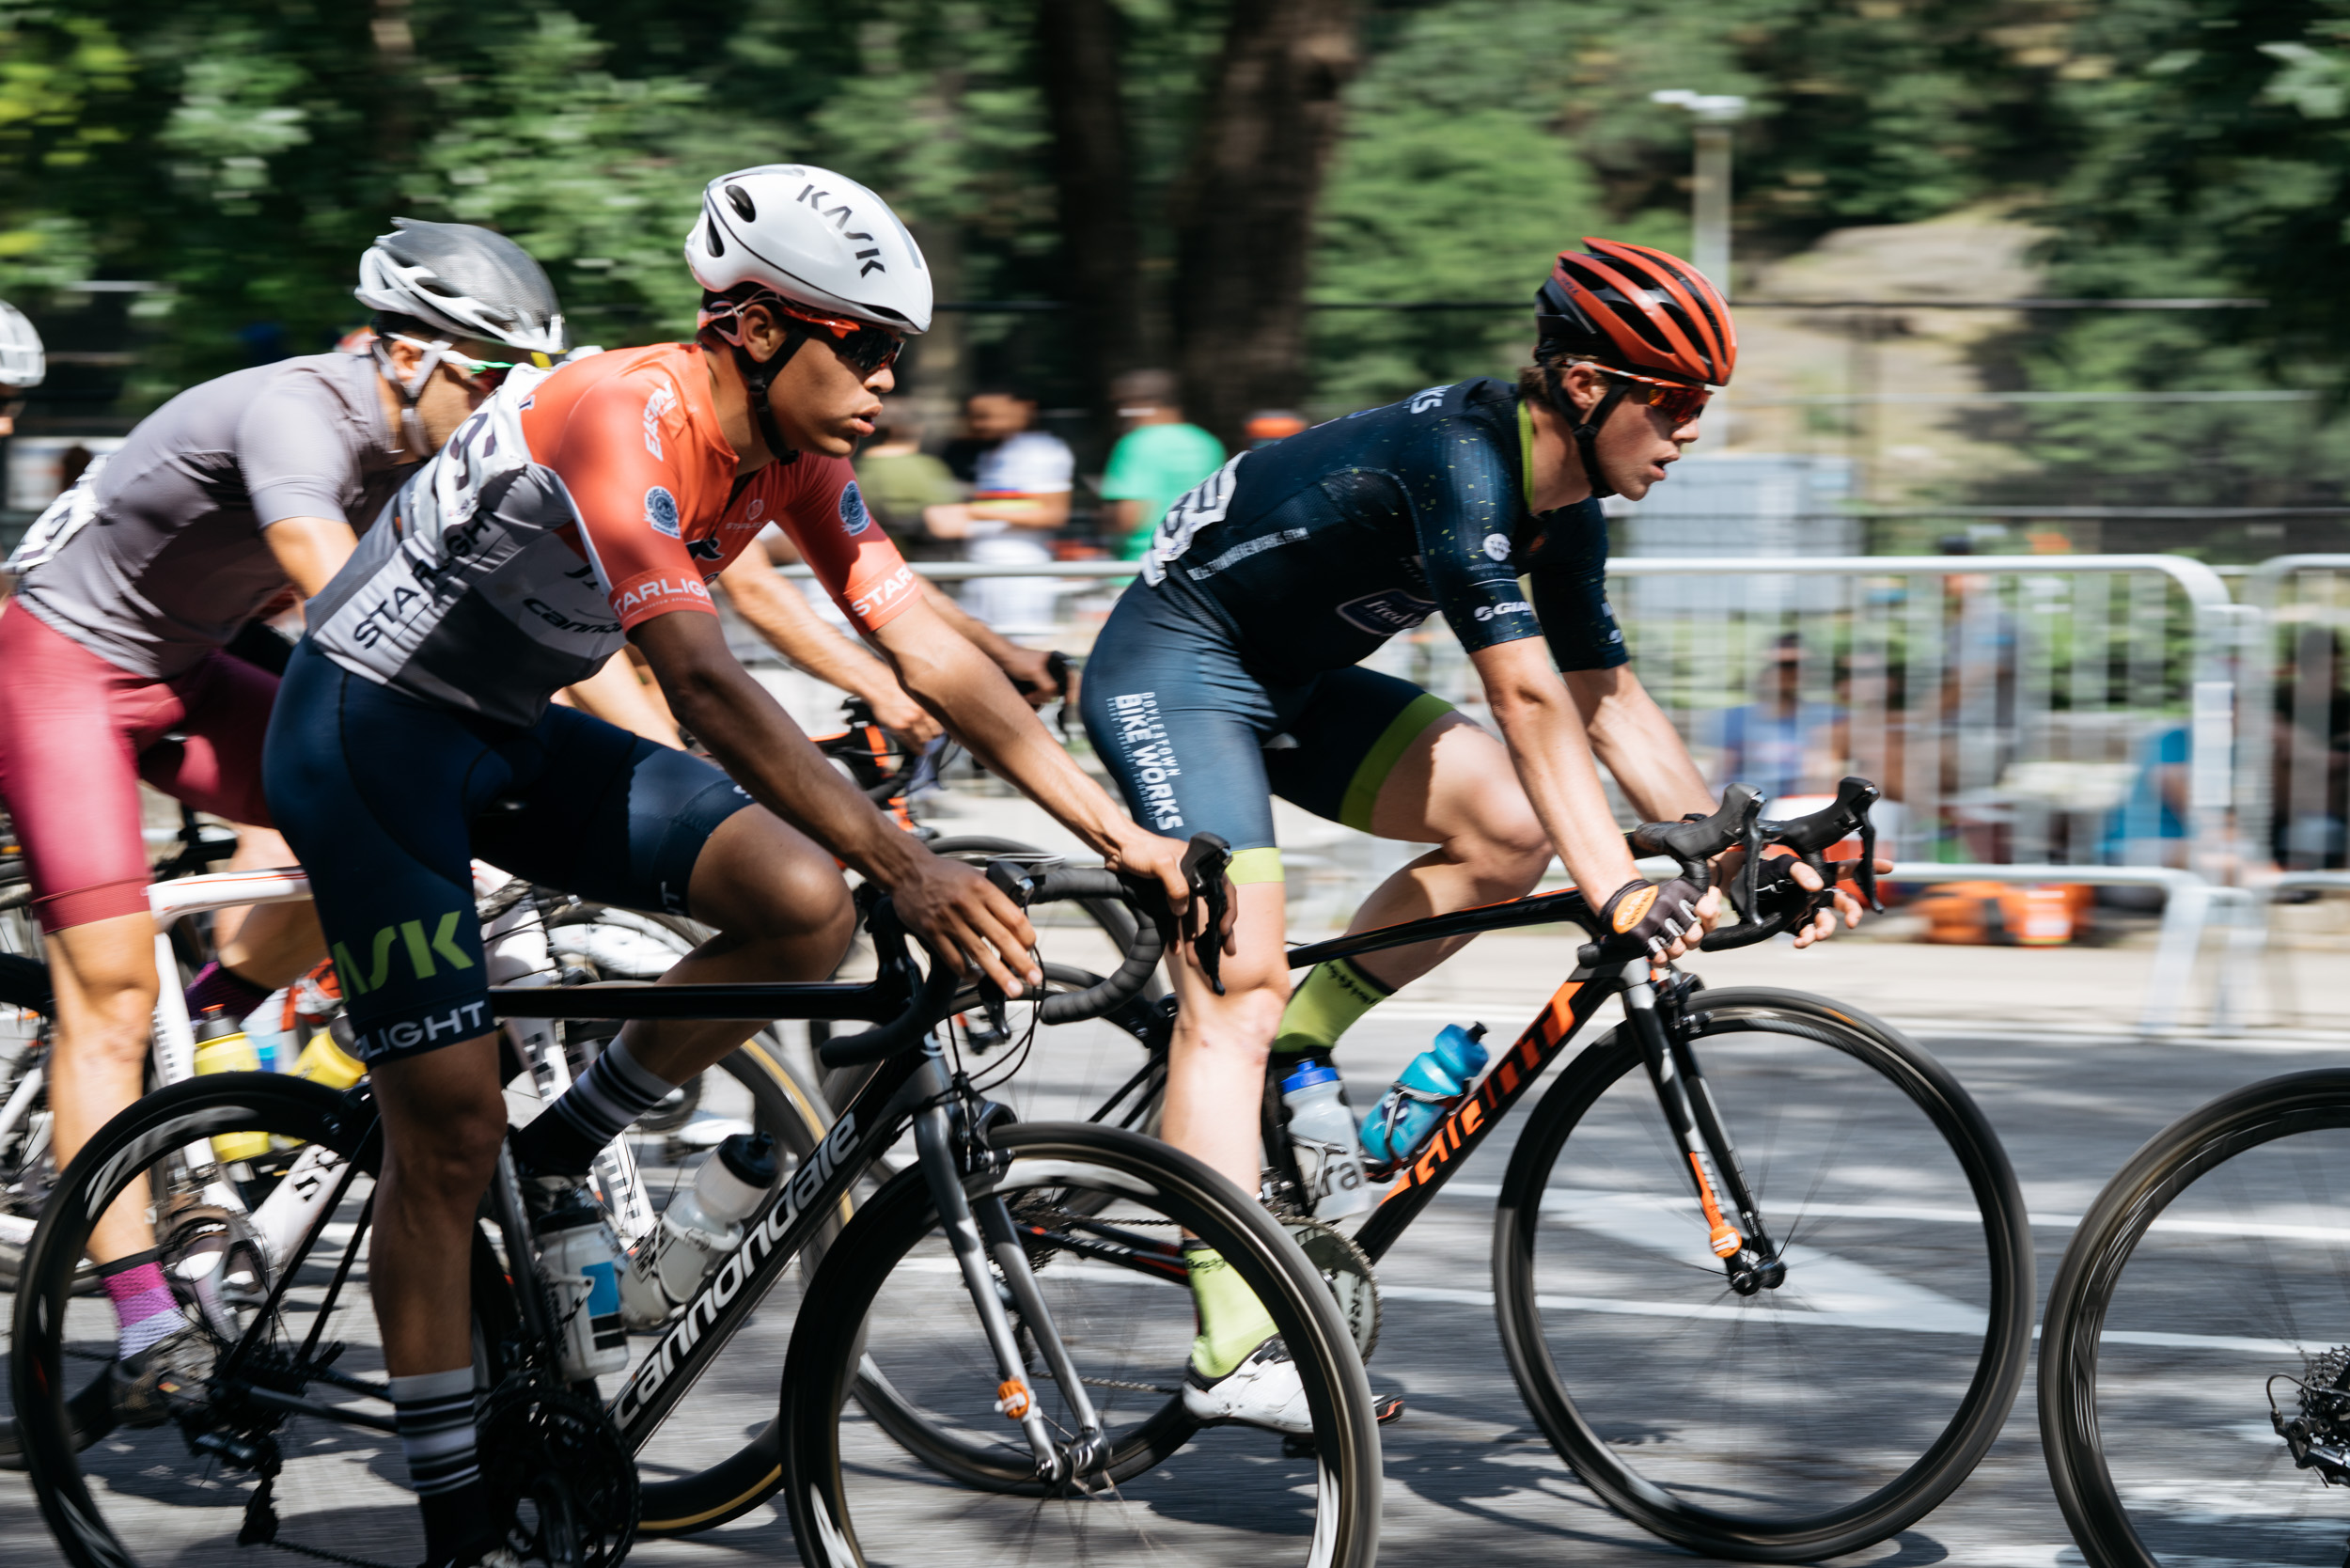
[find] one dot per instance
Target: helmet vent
(718, 245)
(740, 201)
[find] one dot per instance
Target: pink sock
(145, 1308)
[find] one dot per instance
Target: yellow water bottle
(324, 1060)
(221, 1046)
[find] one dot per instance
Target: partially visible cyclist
(1229, 673)
(24, 365)
(578, 510)
(775, 608)
(113, 669)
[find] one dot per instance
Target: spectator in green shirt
(1157, 460)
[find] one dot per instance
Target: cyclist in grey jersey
(112, 670)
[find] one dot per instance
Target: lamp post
(1709, 199)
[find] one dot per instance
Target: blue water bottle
(1408, 1112)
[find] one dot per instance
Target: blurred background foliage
(242, 153)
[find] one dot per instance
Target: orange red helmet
(1639, 309)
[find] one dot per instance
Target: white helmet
(21, 363)
(815, 238)
(469, 282)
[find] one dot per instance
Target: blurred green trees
(244, 152)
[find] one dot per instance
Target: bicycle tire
(690, 1504)
(25, 985)
(826, 1348)
(2104, 1242)
(143, 1139)
(1720, 1018)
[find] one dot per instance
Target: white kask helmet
(21, 362)
(820, 241)
(468, 282)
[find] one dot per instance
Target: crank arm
(935, 1144)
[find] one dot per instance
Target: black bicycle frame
(778, 1232)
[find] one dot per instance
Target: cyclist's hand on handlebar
(904, 717)
(1037, 674)
(968, 922)
(1822, 925)
(1144, 854)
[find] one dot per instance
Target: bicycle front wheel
(2204, 1302)
(1100, 1212)
(283, 1434)
(1802, 1421)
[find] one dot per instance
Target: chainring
(554, 1465)
(1346, 1269)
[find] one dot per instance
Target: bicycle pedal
(1386, 1409)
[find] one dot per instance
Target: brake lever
(1205, 864)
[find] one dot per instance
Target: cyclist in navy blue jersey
(1229, 674)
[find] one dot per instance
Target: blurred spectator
(900, 481)
(1269, 425)
(1780, 743)
(1020, 499)
(2149, 827)
(1157, 460)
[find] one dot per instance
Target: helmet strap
(756, 378)
(411, 422)
(1585, 428)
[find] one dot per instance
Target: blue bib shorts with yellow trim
(1199, 744)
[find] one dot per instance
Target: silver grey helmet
(469, 282)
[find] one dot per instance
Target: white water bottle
(579, 1258)
(697, 1230)
(1323, 1136)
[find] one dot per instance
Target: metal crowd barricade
(2294, 793)
(2032, 718)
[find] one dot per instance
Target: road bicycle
(2194, 1355)
(997, 1245)
(1763, 1270)
(531, 938)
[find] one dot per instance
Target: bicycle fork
(1748, 1256)
(935, 1140)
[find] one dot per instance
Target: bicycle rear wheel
(2211, 1275)
(185, 1491)
(1800, 1421)
(891, 1301)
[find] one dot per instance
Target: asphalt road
(1467, 1475)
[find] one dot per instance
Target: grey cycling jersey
(173, 562)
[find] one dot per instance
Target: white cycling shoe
(1263, 1391)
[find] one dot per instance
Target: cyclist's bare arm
(952, 906)
(1630, 734)
(1031, 665)
(1553, 752)
(1558, 727)
(972, 698)
(780, 614)
(310, 550)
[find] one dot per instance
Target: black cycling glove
(1648, 915)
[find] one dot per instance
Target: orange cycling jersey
(572, 507)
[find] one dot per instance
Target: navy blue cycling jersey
(1313, 551)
